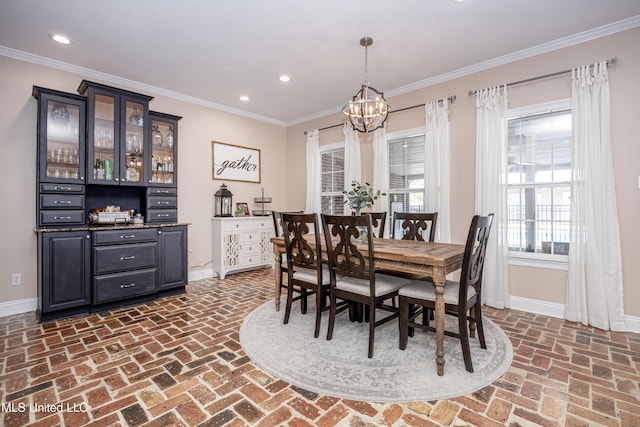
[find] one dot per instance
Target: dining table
(430, 259)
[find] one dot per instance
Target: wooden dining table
(432, 259)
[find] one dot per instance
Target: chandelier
(367, 110)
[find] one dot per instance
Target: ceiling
(212, 52)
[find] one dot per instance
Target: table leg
(439, 289)
(278, 273)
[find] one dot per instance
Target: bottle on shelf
(170, 137)
(156, 136)
(132, 173)
(100, 172)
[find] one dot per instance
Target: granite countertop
(105, 227)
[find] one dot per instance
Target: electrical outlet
(16, 279)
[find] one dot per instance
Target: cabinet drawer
(61, 217)
(132, 235)
(108, 259)
(156, 191)
(162, 215)
(252, 236)
(236, 225)
(62, 188)
(249, 259)
(111, 287)
(262, 224)
(162, 202)
(61, 201)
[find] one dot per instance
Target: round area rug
(340, 367)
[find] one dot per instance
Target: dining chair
(378, 220)
(414, 226)
(277, 229)
(462, 299)
(305, 269)
(352, 273)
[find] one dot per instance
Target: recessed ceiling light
(61, 39)
(285, 78)
(244, 98)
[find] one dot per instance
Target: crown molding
(595, 33)
(575, 39)
(585, 36)
(139, 86)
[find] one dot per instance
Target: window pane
(332, 182)
(406, 163)
(539, 175)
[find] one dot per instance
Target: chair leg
(464, 341)
(472, 322)
(477, 312)
(303, 301)
(332, 315)
(319, 305)
(403, 323)
(411, 311)
(372, 327)
(287, 310)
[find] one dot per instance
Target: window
(539, 180)
(331, 195)
(406, 175)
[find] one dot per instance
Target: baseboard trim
(18, 306)
(551, 309)
(201, 274)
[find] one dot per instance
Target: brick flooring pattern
(178, 362)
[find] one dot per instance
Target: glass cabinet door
(134, 147)
(62, 140)
(163, 139)
(105, 140)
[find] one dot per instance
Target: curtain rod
(613, 60)
(451, 99)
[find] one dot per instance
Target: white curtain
(437, 166)
(491, 190)
(380, 168)
(594, 290)
(313, 172)
(352, 167)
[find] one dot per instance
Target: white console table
(241, 243)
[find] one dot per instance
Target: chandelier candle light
(367, 110)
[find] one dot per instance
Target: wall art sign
(235, 163)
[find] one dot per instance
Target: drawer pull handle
(162, 191)
(163, 215)
(127, 285)
(127, 258)
(62, 188)
(62, 202)
(61, 217)
(127, 236)
(163, 203)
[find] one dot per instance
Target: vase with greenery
(361, 196)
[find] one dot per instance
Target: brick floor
(178, 361)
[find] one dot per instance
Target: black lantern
(223, 202)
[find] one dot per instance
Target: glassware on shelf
(156, 137)
(60, 114)
(136, 118)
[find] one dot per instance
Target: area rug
(340, 367)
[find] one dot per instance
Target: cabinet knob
(88, 236)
